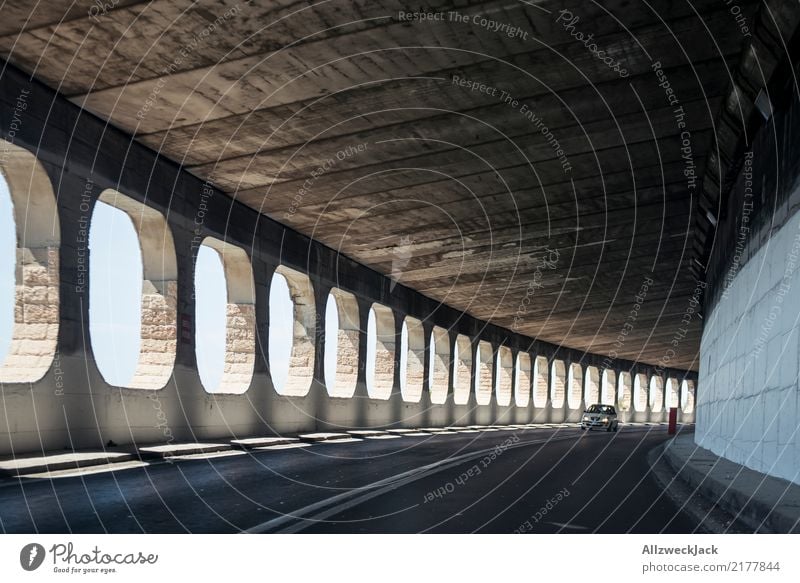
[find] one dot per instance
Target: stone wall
(36, 316)
(415, 361)
(463, 374)
(541, 382)
(385, 343)
(575, 379)
(558, 380)
(609, 388)
(159, 335)
(625, 392)
(441, 365)
(504, 376)
(524, 382)
(485, 374)
(240, 347)
(592, 394)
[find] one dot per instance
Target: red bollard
(673, 420)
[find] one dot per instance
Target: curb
(63, 461)
(766, 512)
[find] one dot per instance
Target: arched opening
(8, 266)
(625, 395)
(439, 371)
(29, 265)
(133, 292)
(483, 376)
(522, 380)
(341, 344)
(575, 382)
(687, 396)
(609, 387)
(462, 376)
(592, 385)
(412, 360)
(656, 394)
(541, 381)
(292, 329)
(673, 393)
(504, 369)
(639, 392)
(225, 316)
(381, 343)
(559, 378)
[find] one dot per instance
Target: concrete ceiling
(452, 191)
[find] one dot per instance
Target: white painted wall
(748, 400)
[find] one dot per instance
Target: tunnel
(350, 220)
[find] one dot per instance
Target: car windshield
(607, 409)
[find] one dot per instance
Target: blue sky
(8, 246)
(115, 291)
(280, 330)
(209, 329)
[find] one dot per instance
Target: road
(542, 480)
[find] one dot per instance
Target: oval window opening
(656, 394)
(439, 369)
(403, 357)
(432, 360)
(115, 293)
(592, 388)
(609, 384)
(639, 392)
(372, 347)
(560, 382)
(484, 376)
(575, 381)
(210, 316)
(687, 396)
(30, 237)
(541, 380)
(625, 396)
(381, 339)
(8, 265)
(331, 342)
(503, 375)
(281, 331)
(523, 379)
(462, 369)
(342, 335)
(412, 360)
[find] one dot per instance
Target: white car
(601, 417)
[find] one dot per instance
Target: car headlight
(586, 419)
(605, 419)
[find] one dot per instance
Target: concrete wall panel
(747, 403)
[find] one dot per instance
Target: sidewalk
(764, 503)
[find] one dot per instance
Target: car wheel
(616, 427)
(609, 428)
(583, 428)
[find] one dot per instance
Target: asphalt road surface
(521, 480)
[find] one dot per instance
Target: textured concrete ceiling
(372, 132)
